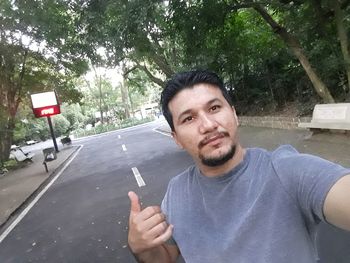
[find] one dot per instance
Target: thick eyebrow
(190, 110)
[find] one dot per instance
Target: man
(235, 204)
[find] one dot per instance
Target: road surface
(83, 217)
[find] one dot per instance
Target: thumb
(135, 206)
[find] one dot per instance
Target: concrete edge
(22, 206)
(276, 122)
(163, 130)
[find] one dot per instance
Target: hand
(147, 228)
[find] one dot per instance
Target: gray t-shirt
(265, 210)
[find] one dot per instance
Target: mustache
(209, 137)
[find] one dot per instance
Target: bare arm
(337, 204)
(148, 232)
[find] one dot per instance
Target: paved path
(83, 218)
(18, 185)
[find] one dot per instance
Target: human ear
(235, 115)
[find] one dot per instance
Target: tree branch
(157, 57)
(151, 76)
(129, 71)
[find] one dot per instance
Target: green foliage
(41, 49)
(73, 114)
(153, 39)
(141, 89)
(30, 128)
(11, 165)
(100, 95)
(39, 129)
(61, 125)
(111, 127)
(20, 133)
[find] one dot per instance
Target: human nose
(207, 124)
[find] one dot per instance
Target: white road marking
(36, 199)
(164, 133)
(138, 177)
(124, 147)
(119, 136)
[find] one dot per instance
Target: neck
(226, 167)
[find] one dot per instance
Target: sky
(114, 75)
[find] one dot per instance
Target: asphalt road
(83, 217)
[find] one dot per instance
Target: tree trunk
(10, 97)
(125, 94)
(269, 83)
(343, 38)
(100, 101)
(298, 51)
(157, 57)
(8, 109)
(163, 65)
(6, 134)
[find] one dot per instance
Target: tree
(39, 50)
(74, 115)
(298, 51)
(142, 90)
(342, 36)
(101, 95)
(211, 17)
(135, 33)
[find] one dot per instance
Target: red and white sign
(45, 104)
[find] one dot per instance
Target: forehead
(193, 97)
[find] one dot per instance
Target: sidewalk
(18, 185)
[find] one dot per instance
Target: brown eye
(189, 118)
(214, 108)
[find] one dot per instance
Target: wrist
(154, 255)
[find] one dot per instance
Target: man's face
(205, 124)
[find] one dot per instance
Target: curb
(46, 181)
(276, 122)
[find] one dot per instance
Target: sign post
(45, 105)
(52, 133)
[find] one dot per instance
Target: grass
(110, 127)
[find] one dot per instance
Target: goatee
(220, 160)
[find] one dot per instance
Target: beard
(220, 160)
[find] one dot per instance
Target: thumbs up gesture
(147, 228)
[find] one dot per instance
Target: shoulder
(287, 157)
(176, 189)
(299, 169)
(182, 178)
(284, 151)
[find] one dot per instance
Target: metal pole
(52, 133)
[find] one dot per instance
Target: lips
(211, 138)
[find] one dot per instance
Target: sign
(45, 104)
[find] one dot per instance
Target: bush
(111, 127)
(11, 165)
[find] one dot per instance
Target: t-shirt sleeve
(307, 179)
(165, 202)
(165, 207)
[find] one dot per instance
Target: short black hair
(185, 80)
